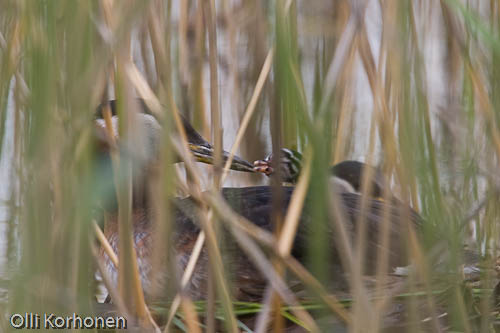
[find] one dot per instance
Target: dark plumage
(255, 204)
(352, 172)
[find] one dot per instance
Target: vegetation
(410, 86)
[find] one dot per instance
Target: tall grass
(408, 86)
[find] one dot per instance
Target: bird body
(255, 204)
(183, 239)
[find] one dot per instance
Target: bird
(347, 174)
(255, 203)
(186, 227)
(346, 177)
(346, 182)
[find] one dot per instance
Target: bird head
(290, 162)
(149, 135)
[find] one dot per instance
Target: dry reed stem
(346, 115)
(161, 51)
(348, 40)
(239, 223)
(128, 276)
(262, 321)
(485, 106)
(144, 51)
(12, 50)
(186, 277)
(277, 136)
(215, 259)
(193, 259)
(232, 54)
(197, 78)
(113, 292)
(386, 125)
(249, 111)
(126, 246)
(154, 104)
(330, 299)
(105, 244)
(379, 107)
(377, 90)
(192, 321)
(162, 63)
(183, 44)
(208, 10)
(274, 278)
(294, 211)
(148, 95)
(414, 245)
(336, 214)
(383, 253)
(267, 239)
(107, 9)
(156, 42)
(192, 169)
(342, 50)
(428, 133)
(266, 68)
(115, 160)
(287, 233)
(144, 91)
(160, 180)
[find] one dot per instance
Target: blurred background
(409, 86)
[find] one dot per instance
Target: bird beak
(263, 166)
(205, 154)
